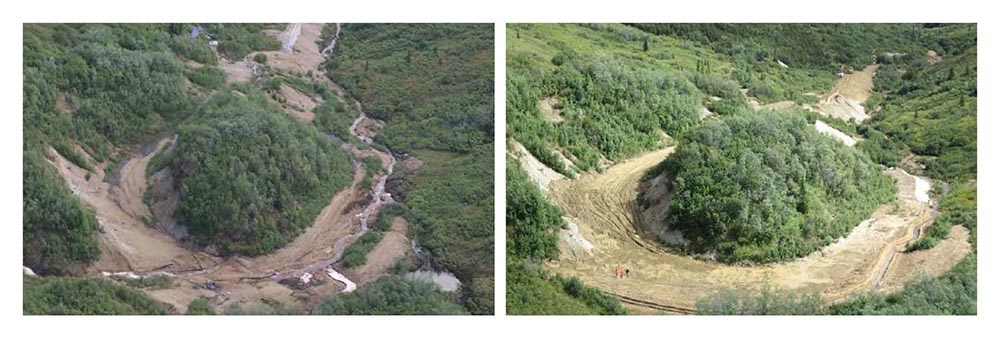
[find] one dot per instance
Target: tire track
(604, 207)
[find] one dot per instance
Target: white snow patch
(349, 285)
(921, 187)
(843, 137)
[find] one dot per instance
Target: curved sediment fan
(768, 187)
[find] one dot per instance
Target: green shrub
(238, 40)
(84, 296)
(194, 48)
(767, 301)
(72, 155)
(200, 306)
(154, 281)
(207, 76)
(333, 118)
(766, 187)
(922, 244)
(391, 295)
(256, 308)
(58, 231)
(932, 109)
(531, 291)
(532, 221)
(357, 254)
(433, 86)
(260, 199)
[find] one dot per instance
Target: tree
(84, 296)
(259, 199)
(391, 295)
(758, 187)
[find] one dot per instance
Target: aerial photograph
(258, 169)
(741, 169)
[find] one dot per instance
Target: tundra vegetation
(98, 92)
(612, 91)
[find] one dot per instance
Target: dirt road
(603, 207)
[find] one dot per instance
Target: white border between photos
(491, 330)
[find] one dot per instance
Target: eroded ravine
(132, 248)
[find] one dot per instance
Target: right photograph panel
(733, 169)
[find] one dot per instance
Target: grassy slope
(84, 296)
(594, 56)
(531, 49)
(433, 85)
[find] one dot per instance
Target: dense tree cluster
(432, 83)
(84, 296)
(391, 295)
(207, 76)
(118, 84)
(250, 177)
(194, 48)
(451, 208)
(532, 291)
(199, 306)
(532, 221)
(58, 230)
(238, 40)
(767, 187)
(613, 108)
(812, 45)
(332, 117)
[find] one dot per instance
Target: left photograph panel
(197, 168)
